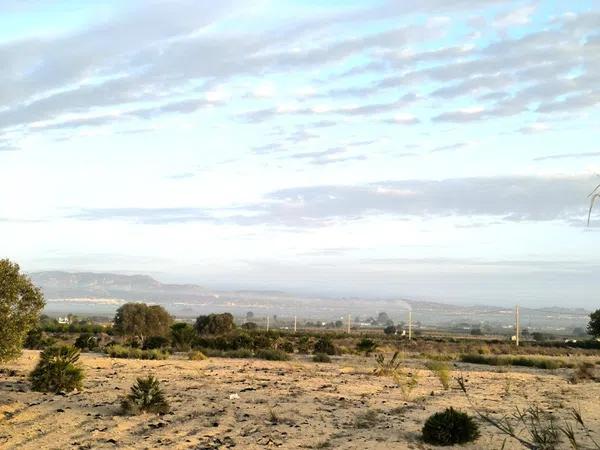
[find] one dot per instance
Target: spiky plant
(389, 367)
(57, 370)
(450, 427)
(145, 396)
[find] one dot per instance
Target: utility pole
(267, 324)
(295, 324)
(349, 323)
(517, 325)
(409, 325)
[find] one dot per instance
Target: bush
(145, 396)
(182, 336)
(304, 344)
(263, 341)
(450, 427)
(249, 326)
(57, 370)
(197, 355)
(286, 346)
(325, 345)
(86, 341)
(35, 340)
(119, 351)
(390, 329)
(584, 371)
(241, 353)
(272, 355)
(526, 361)
(321, 358)
(154, 342)
(367, 346)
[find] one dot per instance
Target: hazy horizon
(433, 149)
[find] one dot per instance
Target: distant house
(64, 320)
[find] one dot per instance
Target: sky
(435, 149)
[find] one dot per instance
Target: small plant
(145, 396)
(367, 346)
(197, 355)
(442, 371)
(321, 358)
(57, 370)
(366, 420)
(389, 367)
(407, 382)
(584, 371)
(450, 427)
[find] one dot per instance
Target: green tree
(138, 320)
(20, 305)
(593, 327)
(215, 324)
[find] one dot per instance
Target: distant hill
(102, 293)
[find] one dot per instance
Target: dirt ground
(295, 404)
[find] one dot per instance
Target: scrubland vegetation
(386, 371)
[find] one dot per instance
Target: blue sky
(431, 149)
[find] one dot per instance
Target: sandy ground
(296, 404)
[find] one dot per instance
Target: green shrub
(321, 358)
(241, 353)
(86, 341)
(154, 342)
(145, 396)
(119, 351)
(197, 355)
(272, 355)
(304, 344)
(230, 341)
(182, 336)
(325, 345)
(450, 427)
(390, 329)
(286, 346)
(262, 341)
(57, 370)
(525, 361)
(35, 340)
(367, 346)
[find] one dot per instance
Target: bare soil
(288, 405)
